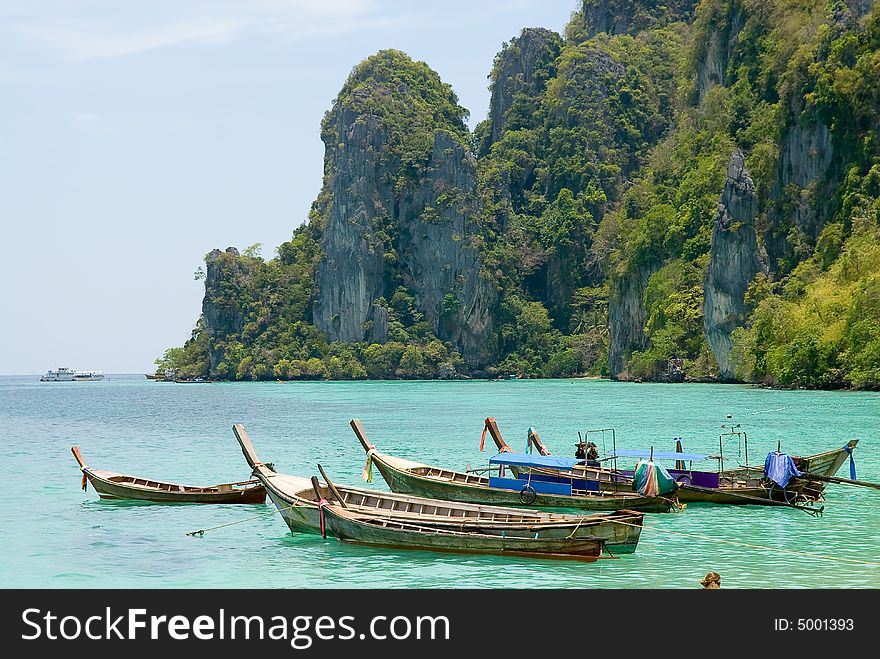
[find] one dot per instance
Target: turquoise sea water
(55, 535)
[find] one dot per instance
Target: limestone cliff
(809, 168)
(596, 216)
(716, 39)
(802, 192)
(626, 320)
(518, 79)
(437, 249)
(625, 16)
(222, 308)
(733, 262)
(404, 209)
(352, 273)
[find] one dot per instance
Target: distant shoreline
(759, 385)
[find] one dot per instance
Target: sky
(137, 136)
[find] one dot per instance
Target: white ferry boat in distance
(61, 374)
(88, 376)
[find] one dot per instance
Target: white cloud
(103, 28)
(84, 43)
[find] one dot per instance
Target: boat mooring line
(746, 544)
(202, 532)
(580, 521)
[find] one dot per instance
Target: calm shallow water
(55, 535)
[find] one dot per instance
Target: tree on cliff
(683, 181)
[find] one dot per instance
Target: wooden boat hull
(753, 493)
(107, 488)
(828, 463)
(736, 486)
(742, 495)
(407, 481)
(620, 531)
(294, 498)
(422, 480)
(821, 464)
(113, 485)
(402, 535)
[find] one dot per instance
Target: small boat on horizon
(162, 375)
(88, 376)
(60, 374)
(63, 374)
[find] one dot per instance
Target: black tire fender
(527, 495)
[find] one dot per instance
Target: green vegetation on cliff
(257, 321)
(819, 326)
(552, 177)
(599, 211)
(411, 102)
(789, 83)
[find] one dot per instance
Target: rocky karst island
(678, 190)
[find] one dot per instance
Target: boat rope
(202, 532)
(675, 506)
(852, 462)
(268, 511)
(833, 502)
(272, 509)
(580, 521)
(754, 546)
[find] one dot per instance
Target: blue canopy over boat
(660, 455)
(527, 460)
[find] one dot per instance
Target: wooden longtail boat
(297, 503)
(396, 533)
(741, 485)
(113, 485)
(733, 483)
(407, 477)
(827, 463)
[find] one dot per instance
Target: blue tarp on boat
(660, 455)
(526, 460)
(542, 487)
(780, 468)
